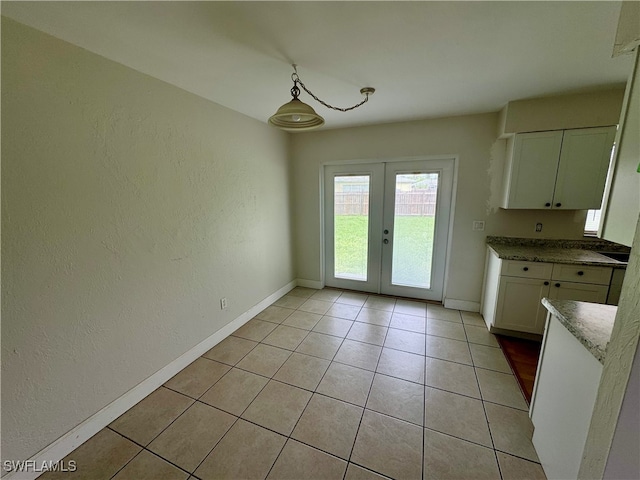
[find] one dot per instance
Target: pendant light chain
(296, 80)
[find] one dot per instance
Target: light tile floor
(330, 384)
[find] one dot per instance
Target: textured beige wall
(473, 139)
(129, 207)
(623, 460)
(618, 364)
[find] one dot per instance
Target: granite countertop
(577, 252)
(590, 323)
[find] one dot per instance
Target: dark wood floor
(523, 358)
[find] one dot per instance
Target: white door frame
(452, 159)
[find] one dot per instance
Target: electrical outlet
(223, 303)
(538, 227)
(478, 225)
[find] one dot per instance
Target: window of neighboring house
(593, 216)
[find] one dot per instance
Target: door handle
(386, 232)
(385, 241)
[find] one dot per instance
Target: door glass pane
(413, 228)
(351, 226)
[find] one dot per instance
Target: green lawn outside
(412, 248)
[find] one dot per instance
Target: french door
(386, 226)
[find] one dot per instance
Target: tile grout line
(185, 410)
(239, 417)
(484, 410)
(143, 448)
(323, 375)
(211, 406)
(424, 396)
(364, 408)
(486, 416)
(302, 413)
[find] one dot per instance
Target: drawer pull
(547, 204)
(546, 283)
(526, 269)
(580, 273)
(558, 204)
(557, 284)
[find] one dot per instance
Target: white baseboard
(77, 436)
(465, 305)
(309, 284)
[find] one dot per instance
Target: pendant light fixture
(296, 116)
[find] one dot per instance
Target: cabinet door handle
(557, 284)
(526, 269)
(580, 273)
(547, 204)
(558, 204)
(546, 283)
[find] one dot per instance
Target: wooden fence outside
(407, 203)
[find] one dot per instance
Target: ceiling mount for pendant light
(296, 116)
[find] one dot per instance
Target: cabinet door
(534, 166)
(519, 306)
(533, 172)
(582, 172)
(583, 292)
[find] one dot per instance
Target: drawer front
(582, 274)
(583, 292)
(514, 268)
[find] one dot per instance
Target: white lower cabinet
(513, 290)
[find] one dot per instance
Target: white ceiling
(425, 59)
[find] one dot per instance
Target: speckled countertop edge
(590, 323)
(576, 252)
(593, 244)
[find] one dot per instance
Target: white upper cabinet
(532, 169)
(560, 169)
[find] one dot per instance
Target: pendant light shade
(296, 116)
